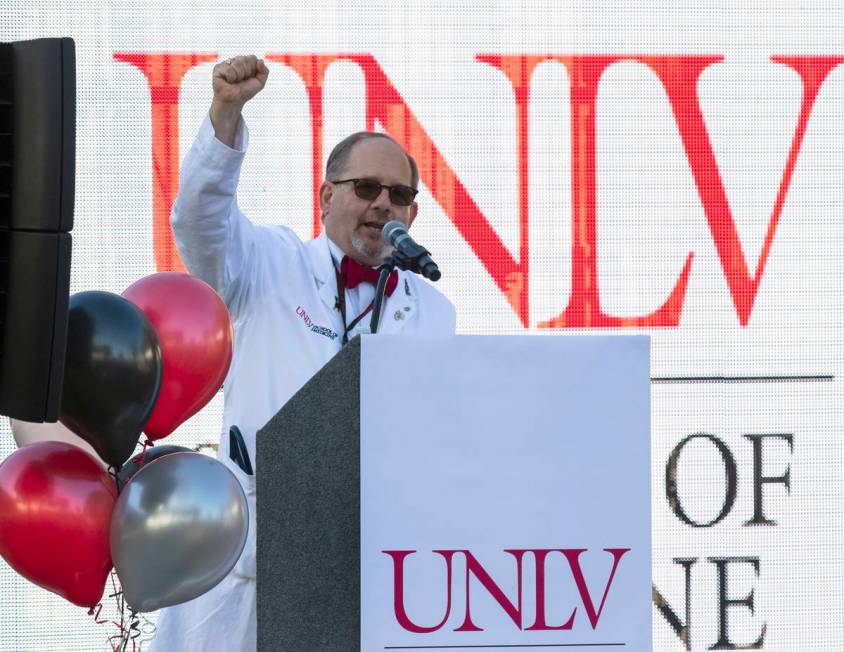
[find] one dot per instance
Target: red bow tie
(353, 274)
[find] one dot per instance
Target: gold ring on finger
(229, 61)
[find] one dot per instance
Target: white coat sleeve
(215, 240)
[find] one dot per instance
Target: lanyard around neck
(341, 305)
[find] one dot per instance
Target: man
(293, 304)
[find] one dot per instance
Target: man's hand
(235, 82)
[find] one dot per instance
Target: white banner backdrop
(664, 168)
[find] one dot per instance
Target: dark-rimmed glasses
(369, 189)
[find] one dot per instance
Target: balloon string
(124, 636)
(134, 627)
(132, 631)
(95, 611)
(128, 631)
(115, 641)
(118, 641)
(147, 628)
(147, 443)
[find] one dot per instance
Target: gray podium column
(308, 496)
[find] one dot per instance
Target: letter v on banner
(680, 84)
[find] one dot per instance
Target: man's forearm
(224, 118)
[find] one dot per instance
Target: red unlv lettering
(305, 317)
(512, 609)
(678, 74)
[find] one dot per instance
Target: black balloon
(142, 459)
(112, 373)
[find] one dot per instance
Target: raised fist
(235, 81)
(238, 80)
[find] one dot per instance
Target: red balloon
(55, 514)
(195, 334)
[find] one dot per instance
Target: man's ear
(326, 190)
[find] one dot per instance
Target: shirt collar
(336, 253)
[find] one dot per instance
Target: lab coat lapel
(323, 270)
(399, 309)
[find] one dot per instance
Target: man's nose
(382, 201)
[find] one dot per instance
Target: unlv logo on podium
(678, 75)
(513, 610)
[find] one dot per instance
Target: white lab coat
(281, 294)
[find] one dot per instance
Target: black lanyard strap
(341, 306)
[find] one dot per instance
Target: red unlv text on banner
(678, 74)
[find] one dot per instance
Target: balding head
(339, 156)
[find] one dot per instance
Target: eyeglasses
(369, 189)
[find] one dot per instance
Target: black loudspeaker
(37, 174)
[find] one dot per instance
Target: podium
(308, 543)
(504, 499)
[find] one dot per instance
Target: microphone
(414, 257)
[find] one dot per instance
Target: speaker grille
(37, 152)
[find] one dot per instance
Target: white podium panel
(511, 506)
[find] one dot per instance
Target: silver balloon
(177, 530)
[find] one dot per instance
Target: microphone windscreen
(391, 230)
